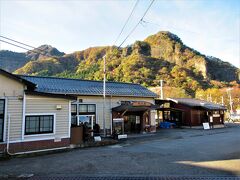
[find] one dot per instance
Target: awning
(169, 109)
(134, 106)
(213, 108)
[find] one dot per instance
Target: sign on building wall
(141, 103)
(117, 119)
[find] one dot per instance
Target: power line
(17, 41)
(17, 46)
(137, 24)
(126, 21)
(21, 43)
(26, 48)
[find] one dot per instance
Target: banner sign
(117, 119)
(141, 103)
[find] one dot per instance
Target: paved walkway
(170, 153)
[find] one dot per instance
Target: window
(88, 120)
(166, 105)
(167, 115)
(85, 113)
(74, 114)
(39, 124)
(87, 109)
(91, 108)
(83, 108)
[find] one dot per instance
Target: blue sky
(209, 26)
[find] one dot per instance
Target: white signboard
(216, 115)
(122, 136)
(117, 119)
(97, 138)
(206, 126)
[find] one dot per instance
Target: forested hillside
(159, 56)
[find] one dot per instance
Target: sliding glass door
(2, 108)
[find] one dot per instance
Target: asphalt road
(172, 152)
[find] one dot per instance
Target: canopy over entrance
(134, 106)
(135, 115)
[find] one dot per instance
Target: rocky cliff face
(43, 51)
(168, 46)
(221, 71)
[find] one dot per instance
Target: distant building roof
(198, 103)
(87, 87)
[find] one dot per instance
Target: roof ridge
(49, 77)
(199, 100)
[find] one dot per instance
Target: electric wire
(19, 42)
(35, 48)
(130, 15)
(136, 24)
(34, 51)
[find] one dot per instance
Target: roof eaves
(174, 100)
(17, 78)
(54, 95)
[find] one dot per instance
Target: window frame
(41, 133)
(87, 112)
(77, 103)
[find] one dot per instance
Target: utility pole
(230, 100)
(210, 97)
(104, 95)
(161, 89)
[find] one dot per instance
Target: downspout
(69, 118)
(111, 114)
(8, 136)
(23, 115)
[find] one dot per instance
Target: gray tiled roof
(199, 103)
(87, 87)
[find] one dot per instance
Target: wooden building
(189, 112)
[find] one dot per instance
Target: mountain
(159, 56)
(12, 61)
(43, 52)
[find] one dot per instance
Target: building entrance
(132, 124)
